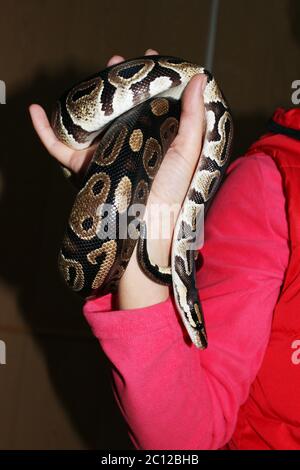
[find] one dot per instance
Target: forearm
(171, 394)
(159, 384)
(136, 290)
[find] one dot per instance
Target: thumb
(188, 141)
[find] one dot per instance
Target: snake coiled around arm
(133, 109)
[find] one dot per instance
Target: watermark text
(2, 352)
(296, 94)
(2, 92)
(159, 221)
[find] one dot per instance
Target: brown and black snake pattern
(135, 107)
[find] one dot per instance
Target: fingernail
(150, 51)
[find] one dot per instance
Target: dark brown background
(55, 390)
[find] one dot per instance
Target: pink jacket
(172, 395)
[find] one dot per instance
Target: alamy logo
(296, 94)
(2, 92)
(2, 352)
(296, 354)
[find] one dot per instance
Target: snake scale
(133, 109)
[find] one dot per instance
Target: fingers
(115, 59)
(151, 52)
(42, 127)
(188, 141)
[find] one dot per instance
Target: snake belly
(133, 109)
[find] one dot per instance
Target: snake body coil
(135, 107)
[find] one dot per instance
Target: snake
(131, 112)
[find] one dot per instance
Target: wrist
(136, 290)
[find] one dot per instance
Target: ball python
(132, 111)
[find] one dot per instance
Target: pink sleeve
(172, 395)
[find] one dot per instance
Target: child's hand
(169, 187)
(74, 160)
(180, 159)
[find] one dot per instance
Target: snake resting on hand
(133, 109)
